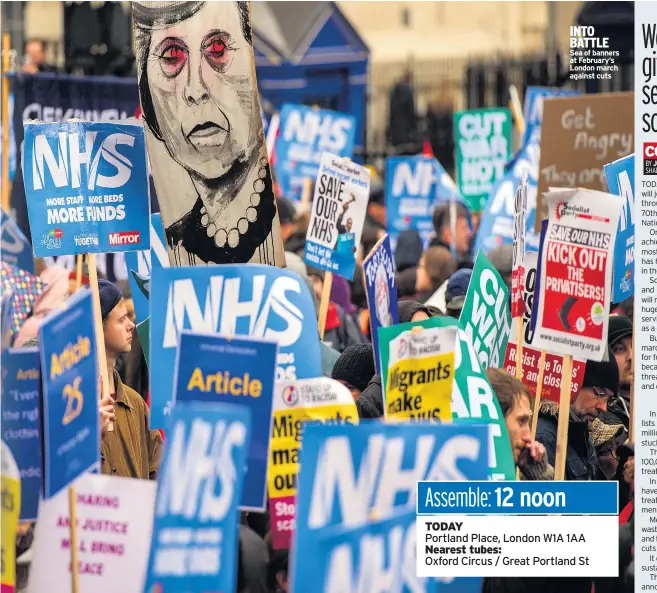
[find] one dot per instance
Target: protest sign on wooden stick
(564, 414)
(305, 194)
(98, 325)
(539, 392)
(79, 258)
(73, 535)
(324, 304)
(6, 64)
(516, 109)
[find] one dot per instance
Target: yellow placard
(421, 389)
(287, 437)
(11, 507)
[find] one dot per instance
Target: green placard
(486, 315)
(482, 144)
(473, 400)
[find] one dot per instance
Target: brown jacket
(131, 450)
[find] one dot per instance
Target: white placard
(115, 520)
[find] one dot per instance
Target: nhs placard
(230, 300)
(195, 528)
(86, 186)
(305, 133)
(414, 185)
(620, 179)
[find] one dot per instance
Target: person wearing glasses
(600, 382)
(620, 342)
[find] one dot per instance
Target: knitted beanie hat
(355, 366)
(602, 374)
(110, 295)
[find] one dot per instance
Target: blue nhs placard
(195, 529)
(305, 133)
(14, 246)
(69, 376)
(620, 179)
(86, 186)
(414, 185)
(233, 371)
(357, 485)
(232, 300)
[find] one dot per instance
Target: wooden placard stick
(519, 348)
(98, 325)
(632, 367)
(564, 414)
(79, 258)
(516, 109)
(305, 194)
(73, 537)
(539, 392)
(6, 65)
(324, 303)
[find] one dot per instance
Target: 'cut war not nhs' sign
(86, 186)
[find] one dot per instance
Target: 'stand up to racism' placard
(340, 203)
(86, 186)
(420, 375)
(576, 265)
(296, 405)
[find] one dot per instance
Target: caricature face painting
(206, 144)
(382, 297)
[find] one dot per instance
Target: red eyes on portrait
(215, 51)
(173, 54)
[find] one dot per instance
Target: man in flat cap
(131, 450)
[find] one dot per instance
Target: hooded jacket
(581, 458)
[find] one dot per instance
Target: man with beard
(600, 383)
(620, 343)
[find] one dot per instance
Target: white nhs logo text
(65, 161)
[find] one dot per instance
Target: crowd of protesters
(430, 282)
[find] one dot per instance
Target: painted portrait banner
(206, 144)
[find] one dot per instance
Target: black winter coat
(581, 458)
(370, 402)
